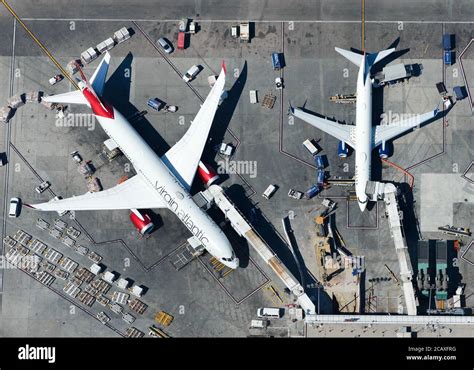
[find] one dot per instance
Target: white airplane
(363, 137)
(160, 182)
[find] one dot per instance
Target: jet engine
(384, 150)
(342, 150)
(142, 221)
(207, 174)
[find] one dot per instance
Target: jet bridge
(388, 192)
(243, 228)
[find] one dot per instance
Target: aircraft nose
(232, 264)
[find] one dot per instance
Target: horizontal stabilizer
(350, 55)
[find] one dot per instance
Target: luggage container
(320, 177)
(312, 191)
(276, 61)
(448, 41)
(319, 161)
(449, 57)
(460, 92)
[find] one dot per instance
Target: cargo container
(320, 177)
(319, 161)
(312, 191)
(448, 41)
(449, 57)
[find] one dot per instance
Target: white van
(269, 313)
(310, 147)
(267, 194)
(15, 205)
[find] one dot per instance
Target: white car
(42, 187)
(165, 45)
(279, 83)
(15, 205)
(55, 79)
(191, 73)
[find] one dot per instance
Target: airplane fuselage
(163, 182)
(363, 135)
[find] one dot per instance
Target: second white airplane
(363, 137)
(160, 182)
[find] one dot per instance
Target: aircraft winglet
(223, 66)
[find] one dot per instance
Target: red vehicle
(181, 40)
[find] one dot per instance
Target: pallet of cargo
(31, 263)
(44, 278)
(101, 286)
(68, 241)
(13, 257)
(120, 298)
(61, 274)
(269, 101)
(82, 250)
(38, 246)
(104, 301)
(22, 237)
(68, 264)
(9, 241)
(71, 289)
(163, 318)
(73, 232)
(137, 306)
(86, 298)
(42, 224)
(53, 255)
(55, 233)
(60, 224)
(134, 333)
(94, 257)
(84, 274)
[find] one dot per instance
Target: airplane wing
(338, 130)
(387, 132)
(183, 158)
(132, 193)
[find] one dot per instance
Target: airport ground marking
(40, 44)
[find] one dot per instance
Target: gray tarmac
(203, 303)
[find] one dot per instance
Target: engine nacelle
(342, 150)
(384, 150)
(207, 175)
(142, 221)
